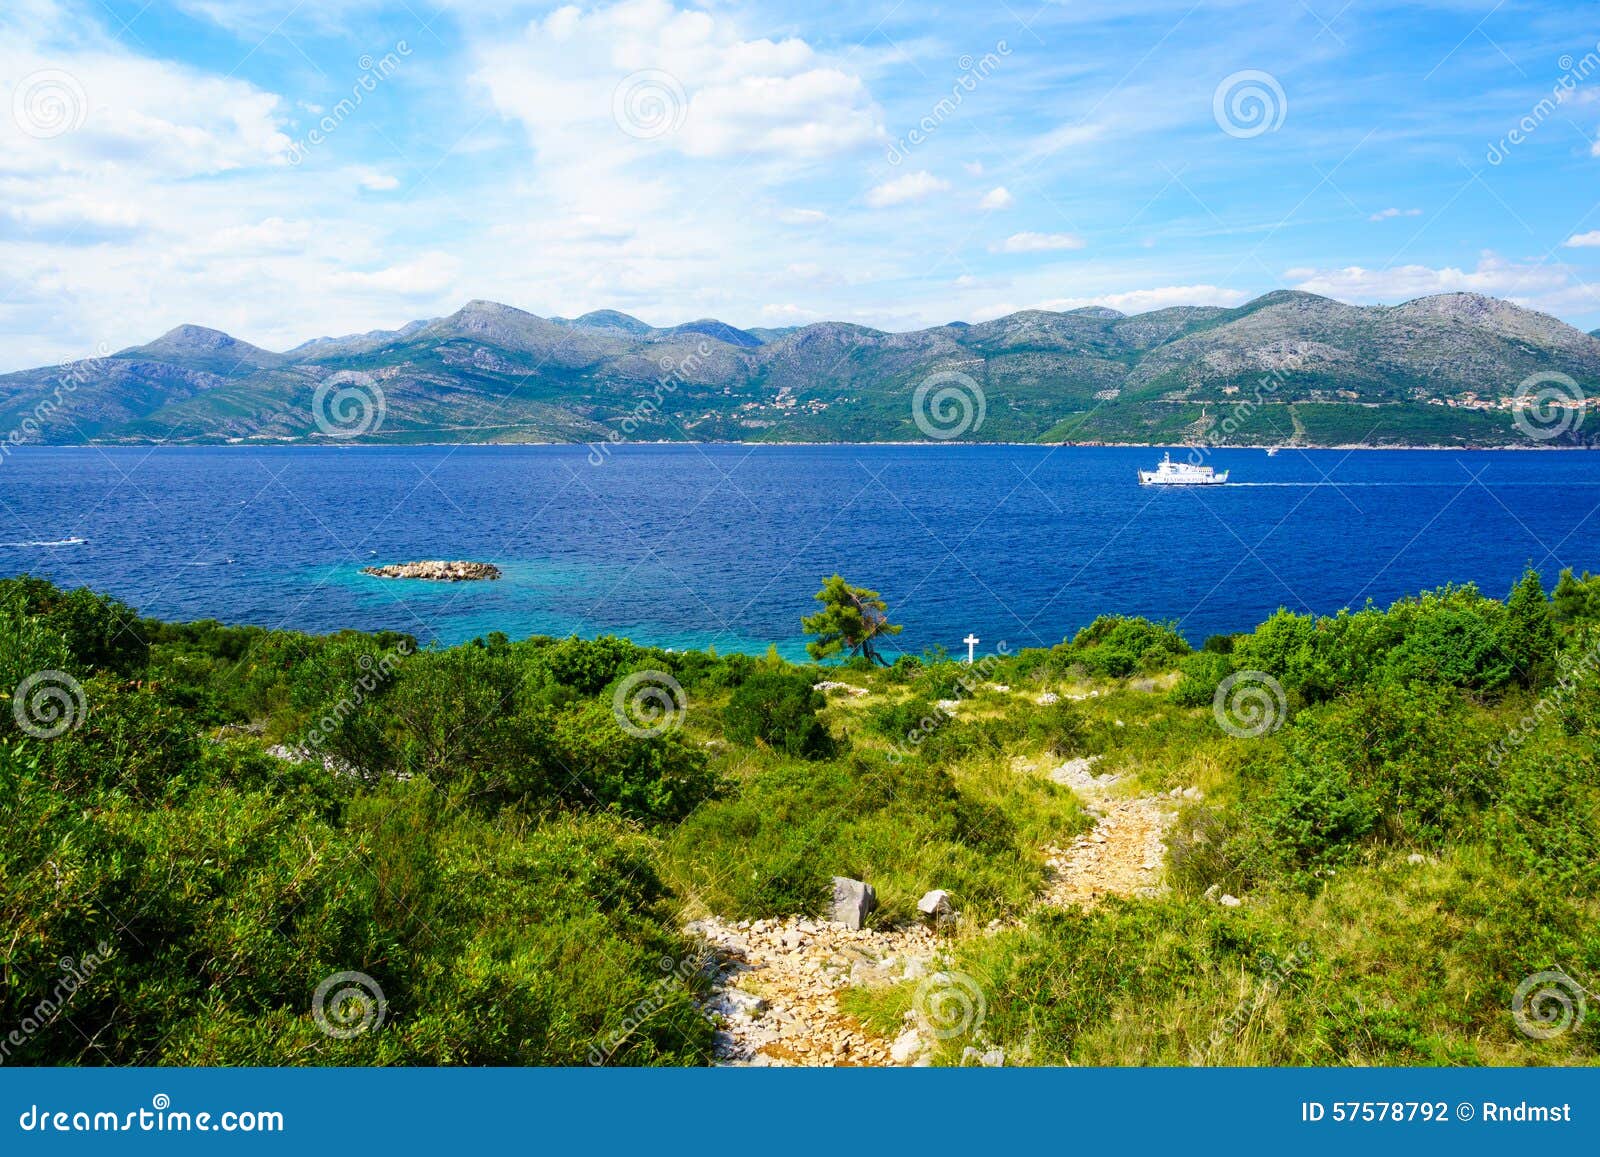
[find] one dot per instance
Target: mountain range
(1286, 368)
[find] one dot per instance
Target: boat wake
(44, 543)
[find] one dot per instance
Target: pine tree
(1528, 634)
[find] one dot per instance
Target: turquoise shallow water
(688, 546)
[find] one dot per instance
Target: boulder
(853, 901)
(935, 904)
(1228, 901)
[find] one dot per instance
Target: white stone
(934, 903)
(1228, 901)
(906, 1046)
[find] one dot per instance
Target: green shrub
(779, 708)
(101, 633)
(601, 765)
(588, 666)
(1202, 673)
(1318, 814)
(1116, 646)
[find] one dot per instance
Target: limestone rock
(935, 903)
(436, 570)
(853, 902)
(907, 1047)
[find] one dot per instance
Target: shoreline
(1185, 446)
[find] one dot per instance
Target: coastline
(1206, 447)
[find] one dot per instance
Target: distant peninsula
(1288, 368)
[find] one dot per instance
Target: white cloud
(1131, 301)
(427, 276)
(97, 113)
(802, 216)
(1493, 276)
(1583, 240)
(998, 197)
(273, 235)
(911, 187)
(1162, 297)
(1387, 214)
(643, 75)
(1066, 137)
(376, 181)
(1038, 243)
(788, 314)
(973, 168)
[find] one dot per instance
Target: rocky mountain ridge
(1309, 370)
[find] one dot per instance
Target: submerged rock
(436, 570)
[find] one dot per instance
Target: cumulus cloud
(1493, 276)
(1387, 214)
(91, 113)
(1039, 242)
(1583, 240)
(1130, 301)
(646, 72)
(1161, 297)
(376, 181)
(997, 198)
(427, 276)
(911, 187)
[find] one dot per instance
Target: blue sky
(192, 162)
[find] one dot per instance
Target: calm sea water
(688, 546)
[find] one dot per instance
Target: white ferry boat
(1170, 473)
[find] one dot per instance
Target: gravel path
(780, 980)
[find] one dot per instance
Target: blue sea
(689, 546)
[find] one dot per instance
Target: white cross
(971, 641)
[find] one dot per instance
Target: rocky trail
(779, 983)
